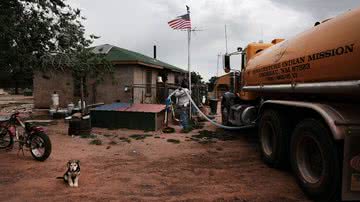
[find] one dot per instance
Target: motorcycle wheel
(6, 139)
(40, 146)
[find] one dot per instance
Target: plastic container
(70, 108)
(213, 105)
(55, 99)
(79, 104)
(52, 112)
(79, 127)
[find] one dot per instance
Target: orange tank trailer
(327, 52)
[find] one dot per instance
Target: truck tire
(315, 160)
(273, 135)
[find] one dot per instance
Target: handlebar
(15, 115)
(17, 112)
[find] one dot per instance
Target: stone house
(134, 80)
(223, 84)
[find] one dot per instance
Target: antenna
(217, 68)
(226, 45)
(193, 30)
(196, 30)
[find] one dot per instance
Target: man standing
(182, 104)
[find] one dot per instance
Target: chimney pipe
(154, 51)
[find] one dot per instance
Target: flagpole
(189, 69)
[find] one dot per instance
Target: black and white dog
(71, 176)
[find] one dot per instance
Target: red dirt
(147, 170)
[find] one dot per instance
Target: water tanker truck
(303, 94)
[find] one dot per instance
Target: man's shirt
(183, 99)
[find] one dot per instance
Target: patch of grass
(199, 126)
(107, 135)
(85, 135)
(194, 124)
(175, 141)
(207, 141)
(186, 130)
(168, 130)
(206, 136)
(96, 142)
(139, 136)
(125, 139)
(157, 137)
(112, 142)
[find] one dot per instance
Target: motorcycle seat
(4, 118)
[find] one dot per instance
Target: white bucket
(79, 104)
(70, 107)
(55, 100)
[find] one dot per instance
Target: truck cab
(252, 50)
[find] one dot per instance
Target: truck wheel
(315, 160)
(273, 135)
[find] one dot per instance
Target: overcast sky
(139, 24)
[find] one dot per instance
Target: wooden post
(82, 95)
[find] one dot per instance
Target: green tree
(196, 78)
(30, 29)
(83, 63)
(211, 83)
(47, 35)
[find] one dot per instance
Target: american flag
(181, 22)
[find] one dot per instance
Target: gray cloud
(139, 24)
(320, 9)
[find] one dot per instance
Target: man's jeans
(184, 117)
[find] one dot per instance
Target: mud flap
(351, 165)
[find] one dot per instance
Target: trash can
(213, 105)
(79, 127)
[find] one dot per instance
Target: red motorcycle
(33, 137)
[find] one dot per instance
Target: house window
(177, 81)
(148, 82)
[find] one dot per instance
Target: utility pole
(189, 69)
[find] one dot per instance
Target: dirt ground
(147, 168)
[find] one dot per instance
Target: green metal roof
(116, 54)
